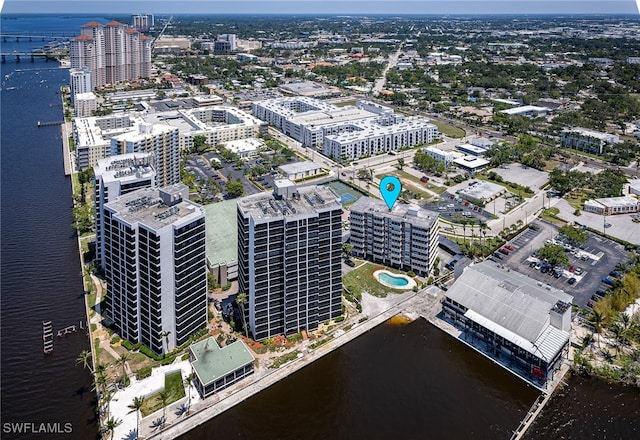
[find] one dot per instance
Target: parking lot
(201, 166)
(598, 257)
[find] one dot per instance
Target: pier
(47, 337)
(49, 124)
(67, 330)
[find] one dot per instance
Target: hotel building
(405, 237)
(289, 248)
(155, 266)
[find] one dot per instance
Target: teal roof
(212, 362)
(222, 232)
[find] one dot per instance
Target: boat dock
(47, 337)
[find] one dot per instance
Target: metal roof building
(514, 315)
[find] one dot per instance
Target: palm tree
(122, 360)
(483, 229)
(83, 358)
(464, 223)
(596, 319)
(110, 426)
(165, 334)
(241, 300)
(136, 406)
(188, 381)
(164, 397)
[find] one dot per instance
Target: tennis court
(347, 194)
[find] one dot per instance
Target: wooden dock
(47, 337)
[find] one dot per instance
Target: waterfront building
(289, 248)
(446, 157)
(116, 176)
(162, 141)
(80, 82)
(346, 132)
(216, 368)
(405, 237)
(93, 136)
(85, 104)
(511, 317)
(587, 140)
(112, 52)
(155, 267)
(612, 205)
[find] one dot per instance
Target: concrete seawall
(413, 304)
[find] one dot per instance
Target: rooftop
(146, 206)
(222, 232)
(471, 162)
(125, 166)
(411, 214)
(299, 167)
(212, 362)
(507, 298)
(610, 202)
(309, 200)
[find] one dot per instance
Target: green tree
(136, 405)
(400, 164)
(188, 381)
(110, 426)
(241, 300)
(347, 248)
(122, 360)
(200, 144)
(84, 358)
(235, 189)
(554, 254)
(574, 235)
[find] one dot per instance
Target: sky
(352, 7)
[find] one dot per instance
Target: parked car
(503, 251)
(578, 271)
(572, 280)
(615, 274)
(532, 264)
(497, 255)
(607, 280)
(601, 293)
(571, 268)
(590, 303)
(595, 298)
(349, 263)
(508, 246)
(424, 179)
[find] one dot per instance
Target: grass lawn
(551, 165)
(449, 130)
(550, 216)
(403, 175)
(175, 389)
(361, 280)
(137, 361)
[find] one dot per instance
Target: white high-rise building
(112, 52)
(84, 104)
(80, 82)
(116, 176)
(143, 22)
(405, 237)
(155, 267)
(289, 248)
(161, 140)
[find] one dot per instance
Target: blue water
(393, 280)
(41, 274)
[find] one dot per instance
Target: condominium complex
(289, 247)
(344, 132)
(155, 266)
(587, 140)
(405, 237)
(85, 104)
(116, 176)
(162, 141)
(446, 157)
(219, 125)
(113, 53)
(143, 22)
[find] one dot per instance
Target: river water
(397, 381)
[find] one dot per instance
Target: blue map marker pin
(390, 188)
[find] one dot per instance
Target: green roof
(212, 362)
(222, 232)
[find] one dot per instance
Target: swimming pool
(393, 280)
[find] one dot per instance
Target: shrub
(227, 286)
(143, 372)
(339, 319)
(115, 339)
(411, 274)
(126, 344)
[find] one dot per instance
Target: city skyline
(412, 7)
